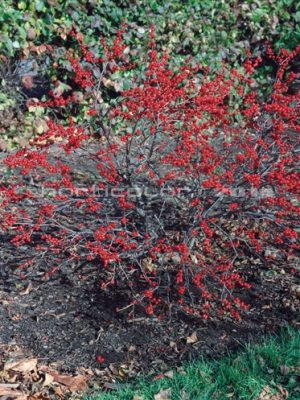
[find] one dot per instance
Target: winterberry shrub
(185, 183)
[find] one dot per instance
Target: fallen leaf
(173, 345)
(284, 369)
(87, 371)
(111, 385)
(38, 396)
(266, 306)
(122, 373)
(137, 397)
(48, 380)
(22, 365)
(229, 395)
(295, 370)
(16, 317)
(184, 395)
(15, 394)
(296, 291)
(192, 339)
(76, 383)
(59, 392)
(181, 371)
(164, 394)
(169, 374)
(9, 385)
(266, 394)
(132, 349)
(148, 265)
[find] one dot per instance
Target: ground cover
(265, 371)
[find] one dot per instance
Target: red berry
(100, 359)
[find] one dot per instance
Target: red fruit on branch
(100, 359)
(171, 191)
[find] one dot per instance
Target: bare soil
(69, 321)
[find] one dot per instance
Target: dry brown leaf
(283, 392)
(87, 371)
(16, 317)
(48, 380)
(184, 395)
(267, 394)
(148, 265)
(9, 376)
(229, 395)
(295, 370)
(173, 345)
(49, 370)
(111, 385)
(296, 291)
(9, 385)
(58, 392)
(169, 374)
(192, 339)
(284, 369)
(15, 394)
(164, 394)
(137, 397)
(22, 365)
(266, 306)
(76, 383)
(27, 290)
(38, 396)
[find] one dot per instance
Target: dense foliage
(200, 28)
(210, 31)
(172, 191)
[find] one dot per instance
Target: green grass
(243, 375)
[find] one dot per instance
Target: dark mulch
(69, 321)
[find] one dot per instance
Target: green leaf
(40, 5)
(16, 44)
(297, 16)
(21, 5)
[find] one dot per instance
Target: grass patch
(273, 366)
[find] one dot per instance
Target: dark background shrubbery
(210, 30)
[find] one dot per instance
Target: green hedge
(206, 29)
